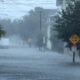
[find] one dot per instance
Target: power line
(26, 3)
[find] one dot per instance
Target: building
(50, 22)
(55, 44)
(4, 42)
(60, 4)
(11, 41)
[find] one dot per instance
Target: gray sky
(17, 8)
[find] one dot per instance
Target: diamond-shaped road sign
(74, 39)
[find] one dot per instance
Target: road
(31, 64)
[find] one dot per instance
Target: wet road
(31, 64)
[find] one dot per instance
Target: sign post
(29, 41)
(74, 49)
(74, 40)
(44, 42)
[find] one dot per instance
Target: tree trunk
(73, 57)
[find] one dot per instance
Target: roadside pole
(74, 50)
(40, 20)
(73, 57)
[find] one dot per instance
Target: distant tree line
(29, 27)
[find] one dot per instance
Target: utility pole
(40, 20)
(73, 57)
(43, 37)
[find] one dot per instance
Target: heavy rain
(39, 39)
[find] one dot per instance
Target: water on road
(31, 64)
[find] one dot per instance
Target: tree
(29, 25)
(67, 22)
(2, 32)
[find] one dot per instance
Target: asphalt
(32, 64)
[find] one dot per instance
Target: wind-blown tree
(2, 32)
(67, 22)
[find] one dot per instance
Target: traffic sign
(74, 48)
(74, 39)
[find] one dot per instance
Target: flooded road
(31, 64)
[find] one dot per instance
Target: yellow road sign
(74, 39)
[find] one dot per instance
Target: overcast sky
(17, 8)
